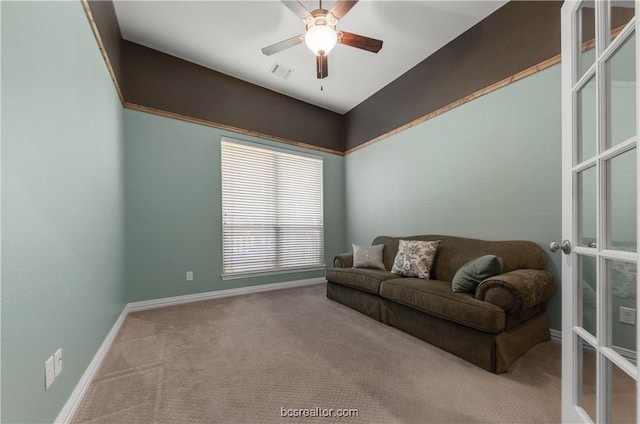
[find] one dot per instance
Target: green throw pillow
(474, 272)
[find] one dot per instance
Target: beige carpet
(243, 359)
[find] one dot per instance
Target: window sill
(237, 276)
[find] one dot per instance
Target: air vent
(281, 71)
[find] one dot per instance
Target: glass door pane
(621, 71)
(588, 290)
(586, 213)
(620, 13)
(623, 395)
(622, 207)
(622, 304)
(586, 106)
(587, 25)
(587, 386)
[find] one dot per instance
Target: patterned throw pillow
(368, 256)
(415, 258)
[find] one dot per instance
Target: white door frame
(570, 368)
(571, 365)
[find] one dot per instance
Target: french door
(600, 211)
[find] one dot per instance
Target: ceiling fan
(321, 34)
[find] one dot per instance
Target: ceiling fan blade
(361, 42)
(297, 8)
(278, 47)
(342, 7)
(322, 66)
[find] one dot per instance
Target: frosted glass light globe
(321, 38)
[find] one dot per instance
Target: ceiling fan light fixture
(321, 34)
(320, 39)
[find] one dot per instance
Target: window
(271, 210)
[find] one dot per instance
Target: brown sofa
(490, 328)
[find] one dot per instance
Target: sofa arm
(517, 290)
(343, 260)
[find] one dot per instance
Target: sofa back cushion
(454, 252)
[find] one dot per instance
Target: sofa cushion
(435, 297)
(453, 252)
(367, 280)
(467, 278)
(368, 256)
(415, 258)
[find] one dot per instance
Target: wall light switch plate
(189, 275)
(49, 373)
(57, 362)
(628, 315)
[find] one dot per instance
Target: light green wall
(489, 169)
(90, 222)
(62, 203)
(64, 195)
(173, 209)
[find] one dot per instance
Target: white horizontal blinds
(272, 209)
(248, 209)
(299, 211)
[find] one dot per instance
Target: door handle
(565, 246)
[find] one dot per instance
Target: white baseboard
(69, 409)
(197, 297)
(628, 354)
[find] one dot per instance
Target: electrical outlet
(628, 315)
(57, 362)
(189, 275)
(49, 373)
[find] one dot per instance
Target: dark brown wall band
(159, 81)
(104, 23)
(517, 36)
(512, 41)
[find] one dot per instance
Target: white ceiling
(228, 36)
